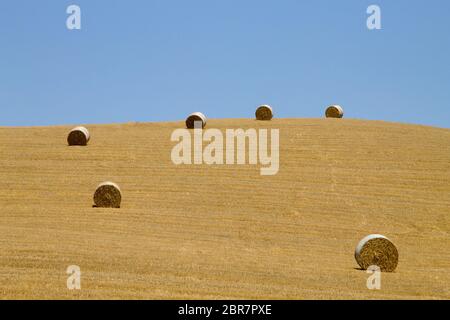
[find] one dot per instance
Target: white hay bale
(194, 117)
(334, 111)
(377, 250)
(264, 112)
(108, 195)
(78, 136)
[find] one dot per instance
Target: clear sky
(147, 60)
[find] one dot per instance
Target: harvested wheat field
(225, 231)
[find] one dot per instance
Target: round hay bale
(78, 136)
(264, 112)
(193, 117)
(377, 250)
(108, 195)
(334, 111)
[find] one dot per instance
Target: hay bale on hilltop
(78, 136)
(195, 117)
(264, 112)
(377, 250)
(108, 195)
(334, 111)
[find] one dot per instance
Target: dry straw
(194, 117)
(377, 250)
(78, 136)
(334, 111)
(107, 195)
(264, 112)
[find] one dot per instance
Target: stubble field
(225, 232)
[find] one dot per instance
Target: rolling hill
(225, 231)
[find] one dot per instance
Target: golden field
(225, 232)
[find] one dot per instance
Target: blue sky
(147, 60)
